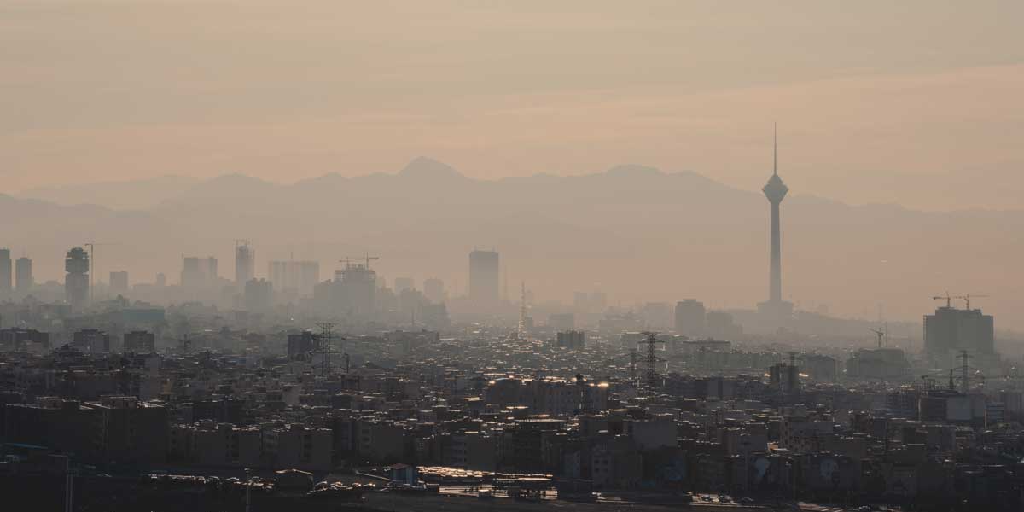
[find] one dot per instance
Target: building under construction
(352, 293)
(951, 330)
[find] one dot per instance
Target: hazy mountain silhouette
(133, 194)
(642, 234)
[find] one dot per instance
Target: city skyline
(459, 255)
(899, 302)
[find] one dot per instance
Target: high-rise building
(572, 339)
(245, 262)
(6, 285)
(657, 316)
(292, 276)
(690, 318)
(208, 267)
(161, 280)
(720, 325)
(91, 340)
(119, 281)
(76, 281)
(785, 377)
(301, 346)
(433, 290)
(191, 275)
(952, 330)
(775, 190)
(352, 293)
(259, 295)
(483, 276)
(358, 289)
(19, 340)
(23, 275)
(404, 283)
(198, 273)
(139, 341)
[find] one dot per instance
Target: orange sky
(917, 103)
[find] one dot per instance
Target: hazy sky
(918, 102)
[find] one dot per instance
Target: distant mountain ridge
(636, 232)
(120, 195)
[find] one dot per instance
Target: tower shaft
(775, 286)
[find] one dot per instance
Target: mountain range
(637, 233)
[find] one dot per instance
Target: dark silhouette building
(76, 282)
(951, 329)
(20, 340)
(139, 341)
(572, 339)
(119, 281)
(23, 280)
(91, 340)
(245, 263)
(690, 318)
(300, 346)
(6, 284)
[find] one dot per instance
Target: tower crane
(347, 261)
(967, 299)
(880, 334)
(946, 297)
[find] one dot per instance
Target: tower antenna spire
(775, 153)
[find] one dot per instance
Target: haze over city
(917, 108)
(445, 254)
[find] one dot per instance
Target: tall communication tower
(324, 346)
(651, 362)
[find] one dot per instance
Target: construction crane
(880, 334)
(946, 297)
(967, 299)
(651, 372)
(348, 261)
(92, 262)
